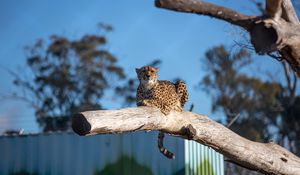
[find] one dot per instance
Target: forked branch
(277, 30)
(268, 158)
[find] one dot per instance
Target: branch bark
(268, 158)
(278, 30)
(205, 8)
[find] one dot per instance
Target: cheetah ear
(137, 70)
(156, 69)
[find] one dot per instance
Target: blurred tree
(268, 109)
(67, 76)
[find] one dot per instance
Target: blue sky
(142, 33)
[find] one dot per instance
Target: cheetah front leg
(165, 109)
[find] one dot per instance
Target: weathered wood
(277, 30)
(268, 158)
(205, 8)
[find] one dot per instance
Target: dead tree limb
(268, 158)
(277, 30)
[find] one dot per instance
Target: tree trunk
(276, 31)
(268, 158)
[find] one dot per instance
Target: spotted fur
(164, 95)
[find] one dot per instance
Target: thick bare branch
(289, 13)
(205, 8)
(273, 8)
(268, 158)
(277, 30)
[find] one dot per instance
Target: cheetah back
(165, 95)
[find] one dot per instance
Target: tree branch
(289, 13)
(277, 30)
(273, 8)
(205, 8)
(268, 158)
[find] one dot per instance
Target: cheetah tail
(161, 147)
(183, 93)
(184, 99)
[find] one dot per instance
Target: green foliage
(206, 168)
(180, 172)
(125, 166)
(23, 172)
(68, 76)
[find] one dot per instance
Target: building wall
(122, 154)
(202, 160)
(67, 153)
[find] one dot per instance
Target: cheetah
(161, 94)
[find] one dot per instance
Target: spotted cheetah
(161, 94)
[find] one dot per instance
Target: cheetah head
(147, 75)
